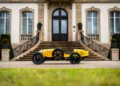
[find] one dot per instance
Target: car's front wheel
(75, 58)
(38, 58)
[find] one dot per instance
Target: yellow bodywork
(48, 53)
(81, 52)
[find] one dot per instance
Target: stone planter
(115, 54)
(5, 55)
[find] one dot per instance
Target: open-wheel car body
(58, 54)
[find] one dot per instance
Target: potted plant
(39, 25)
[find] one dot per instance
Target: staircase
(66, 46)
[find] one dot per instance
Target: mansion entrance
(60, 25)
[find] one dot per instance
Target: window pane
(24, 26)
(27, 22)
(89, 25)
(63, 13)
(2, 28)
(94, 14)
(30, 17)
(63, 26)
(30, 26)
(7, 25)
(115, 22)
(2, 14)
(117, 25)
(56, 13)
(92, 22)
(117, 14)
(30, 29)
(55, 26)
(89, 14)
(4, 22)
(24, 14)
(111, 14)
(95, 26)
(112, 25)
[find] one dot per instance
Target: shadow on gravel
(60, 64)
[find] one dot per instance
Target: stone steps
(65, 46)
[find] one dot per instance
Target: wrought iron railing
(94, 46)
(25, 46)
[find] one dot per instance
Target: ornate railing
(93, 36)
(25, 46)
(26, 37)
(94, 46)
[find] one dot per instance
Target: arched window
(60, 25)
(4, 22)
(115, 22)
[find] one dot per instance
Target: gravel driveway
(61, 64)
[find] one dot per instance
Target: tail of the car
(81, 52)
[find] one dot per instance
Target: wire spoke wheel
(74, 58)
(38, 58)
(57, 54)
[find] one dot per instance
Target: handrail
(26, 46)
(94, 46)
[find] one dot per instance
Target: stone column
(41, 17)
(5, 54)
(115, 54)
(78, 18)
(78, 35)
(74, 22)
(45, 21)
(40, 35)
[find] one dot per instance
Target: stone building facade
(100, 19)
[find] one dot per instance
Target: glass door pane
(64, 26)
(55, 26)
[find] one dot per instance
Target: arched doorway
(59, 25)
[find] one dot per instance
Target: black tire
(75, 58)
(38, 58)
(57, 54)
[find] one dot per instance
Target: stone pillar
(78, 18)
(78, 35)
(115, 54)
(45, 21)
(74, 22)
(40, 35)
(41, 17)
(5, 54)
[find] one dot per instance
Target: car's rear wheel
(38, 58)
(57, 54)
(75, 58)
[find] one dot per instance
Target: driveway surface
(61, 64)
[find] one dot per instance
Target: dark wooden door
(60, 25)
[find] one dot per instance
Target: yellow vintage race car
(58, 54)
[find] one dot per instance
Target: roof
(42, 1)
